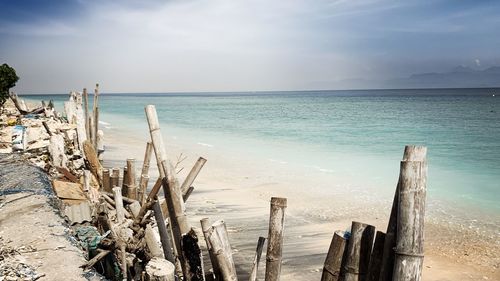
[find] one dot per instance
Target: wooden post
(219, 241)
(96, 116)
(91, 155)
(256, 259)
(141, 192)
(115, 177)
(205, 227)
(410, 224)
(333, 261)
(411, 153)
(80, 121)
(106, 180)
(131, 184)
(86, 112)
(120, 211)
(376, 257)
(275, 238)
(359, 248)
(193, 174)
(159, 269)
(166, 242)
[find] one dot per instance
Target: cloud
(478, 62)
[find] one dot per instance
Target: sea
(343, 139)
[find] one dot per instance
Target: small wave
(104, 123)
(277, 161)
(205, 144)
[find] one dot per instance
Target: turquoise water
(460, 127)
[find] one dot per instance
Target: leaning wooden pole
(411, 153)
(193, 174)
(256, 259)
(275, 238)
(410, 225)
(166, 243)
(205, 227)
(333, 261)
(359, 248)
(143, 183)
(219, 241)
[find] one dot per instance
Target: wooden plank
(68, 190)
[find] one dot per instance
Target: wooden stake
(275, 238)
(193, 174)
(141, 192)
(205, 227)
(143, 183)
(359, 248)
(376, 257)
(131, 185)
(256, 259)
(96, 116)
(115, 177)
(166, 242)
(106, 180)
(333, 261)
(411, 153)
(86, 112)
(219, 241)
(159, 269)
(410, 225)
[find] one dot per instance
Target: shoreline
(452, 251)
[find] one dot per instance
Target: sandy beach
(237, 190)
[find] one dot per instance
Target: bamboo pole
(131, 185)
(96, 116)
(193, 174)
(143, 183)
(219, 241)
(275, 238)
(376, 257)
(205, 227)
(411, 153)
(359, 247)
(256, 259)
(152, 243)
(86, 112)
(106, 180)
(333, 261)
(166, 242)
(115, 177)
(141, 192)
(410, 223)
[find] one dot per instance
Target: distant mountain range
(459, 77)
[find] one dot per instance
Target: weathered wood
(125, 199)
(159, 269)
(96, 116)
(125, 180)
(192, 256)
(47, 129)
(135, 208)
(115, 177)
(186, 195)
(91, 156)
(219, 241)
(67, 174)
(80, 120)
(131, 185)
(141, 192)
(333, 261)
(94, 260)
(151, 196)
(410, 223)
(166, 241)
(192, 175)
(152, 242)
(205, 227)
(411, 153)
(376, 257)
(275, 238)
(120, 213)
(359, 248)
(256, 259)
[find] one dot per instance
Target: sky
(240, 45)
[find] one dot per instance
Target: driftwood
(120, 211)
(94, 260)
(333, 261)
(359, 247)
(275, 238)
(411, 153)
(410, 223)
(152, 243)
(256, 259)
